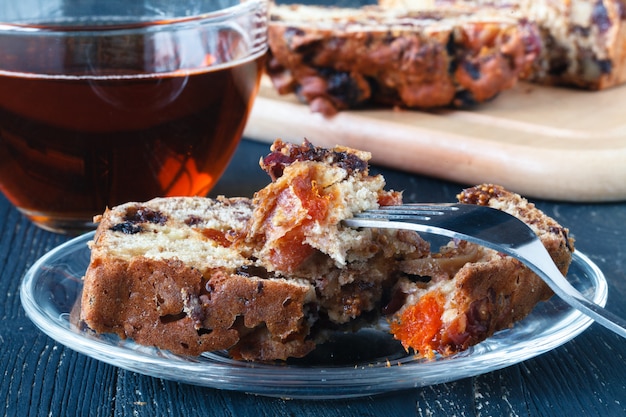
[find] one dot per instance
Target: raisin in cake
(582, 43)
(338, 58)
(271, 277)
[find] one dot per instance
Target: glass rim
(149, 23)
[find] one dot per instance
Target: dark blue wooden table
(586, 376)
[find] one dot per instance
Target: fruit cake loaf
(337, 58)
(582, 42)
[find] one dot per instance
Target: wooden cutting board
(543, 142)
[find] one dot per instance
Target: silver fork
(494, 229)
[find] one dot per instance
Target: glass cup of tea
(106, 102)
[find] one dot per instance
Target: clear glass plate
(351, 365)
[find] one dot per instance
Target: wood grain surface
(552, 143)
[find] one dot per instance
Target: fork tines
(424, 212)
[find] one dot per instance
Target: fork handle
(600, 315)
(564, 290)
